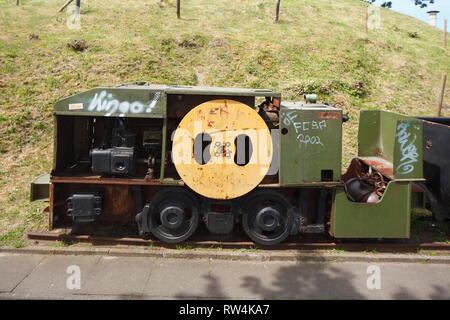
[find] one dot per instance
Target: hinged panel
(311, 144)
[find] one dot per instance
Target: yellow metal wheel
(222, 149)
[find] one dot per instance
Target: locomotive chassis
(307, 190)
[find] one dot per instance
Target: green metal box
(310, 144)
(388, 218)
(392, 145)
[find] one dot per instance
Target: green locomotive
(172, 157)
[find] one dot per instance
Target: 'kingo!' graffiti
(103, 102)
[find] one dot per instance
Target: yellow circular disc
(222, 149)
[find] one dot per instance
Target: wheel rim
(174, 221)
(266, 219)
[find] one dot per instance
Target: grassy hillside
(318, 47)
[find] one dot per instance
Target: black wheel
(267, 217)
(174, 216)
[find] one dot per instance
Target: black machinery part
(436, 168)
(172, 216)
(84, 207)
(268, 217)
(116, 154)
(219, 215)
(116, 160)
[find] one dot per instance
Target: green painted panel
(140, 100)
(196, 90)
(395, 138)
(368, 134)
(310, 144)
(40, 188)
(376, 133)
(115, 102)
(389, 218)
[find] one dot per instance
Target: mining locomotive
(169, 158)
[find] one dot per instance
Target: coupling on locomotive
(169, 158)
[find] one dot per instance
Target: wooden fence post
(277, 11)
(179, 9)
(367, 22)
(441, 94)
(78, 6)
(65, 5)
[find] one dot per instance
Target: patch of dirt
(33, 37)
(77, 45)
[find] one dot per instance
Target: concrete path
(107, 277)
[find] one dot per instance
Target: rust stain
(381, 167)
(213, 110)
(328, 115)
(223, 110)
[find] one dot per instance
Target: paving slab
(14, 268)
(125, 276)
(181, 279)
(301, 280)
(50, 276)
(237, 279)
(108, 277)
(401, 281)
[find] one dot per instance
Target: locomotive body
(172, 157)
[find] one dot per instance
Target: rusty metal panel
(388, 218)
(310, 144)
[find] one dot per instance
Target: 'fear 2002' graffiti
(103, 102)
(301, 126)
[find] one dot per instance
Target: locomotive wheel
(267, 218)
(174, 217)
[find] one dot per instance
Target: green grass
(183, 247)
(60, 244)
(318, 47)
(14, 238)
